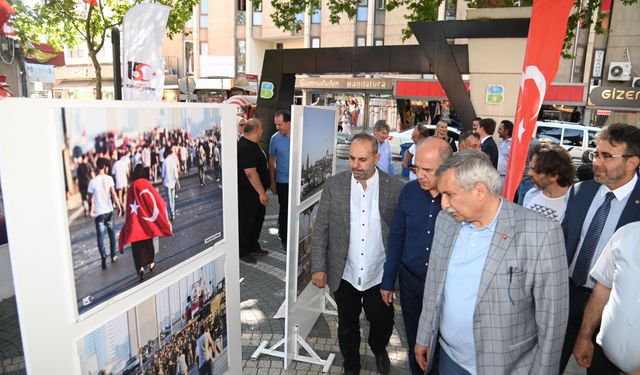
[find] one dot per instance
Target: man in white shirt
(552, 171)
(101, 191)
(351, 262)
(120, 172)
(170, 178)
(205, 347)
(614, 301)
(505, 131)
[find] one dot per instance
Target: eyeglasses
(605, 156)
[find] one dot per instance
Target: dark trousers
(350, 302)
(283, 213)
(411, 293)
(104, 225)
(250, 219)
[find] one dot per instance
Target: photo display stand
(312, 161)
(77, 317)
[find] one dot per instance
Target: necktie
(583, 263)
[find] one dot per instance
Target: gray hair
(471, 167)
(381, 125)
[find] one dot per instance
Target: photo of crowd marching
(140, 180)
(181, 330)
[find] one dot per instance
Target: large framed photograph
(144, 193)
(318, 148)
(177, 331)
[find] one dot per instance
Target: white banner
(143, 29)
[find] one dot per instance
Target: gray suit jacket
(330, 239)
(520, 317)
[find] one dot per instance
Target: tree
(284, 15)
(69, 22)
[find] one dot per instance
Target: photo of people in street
(307, 219)
(145, 181)
(318, 149)
(181, 330)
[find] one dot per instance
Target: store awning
(566, 94)
(430, 90)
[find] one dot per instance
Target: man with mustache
(495, 298)
(348, 250)
(595, 210)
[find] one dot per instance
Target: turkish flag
(5, 12)
(546, 33)
(146, 215)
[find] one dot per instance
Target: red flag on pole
(93, 3)
(5, 12)
(146, 215)
(546, 33)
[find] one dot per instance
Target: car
(575, 138)
(396, 139)
(343, 143)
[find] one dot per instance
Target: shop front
(610, 105)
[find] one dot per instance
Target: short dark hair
(553, 160)
(488, 124)
(102, 163)
(286, 116)
(364, 137)
(381, 125)
(619, 133)
(423, 131)
(466, 134)
(508, 125)
(252, 125)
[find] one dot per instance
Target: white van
(575, 138)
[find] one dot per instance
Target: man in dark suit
(486, 128)
(348, 250)
(595, 210)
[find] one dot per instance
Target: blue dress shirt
(385, 163)
(411, 233)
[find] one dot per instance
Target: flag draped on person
(146, 214)
(143, 28)
(546, 34)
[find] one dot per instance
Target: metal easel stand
(311, 358)
(327, 299)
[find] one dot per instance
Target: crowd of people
(486, 285)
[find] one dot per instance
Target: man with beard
(595, 210)
(348, 250)
(552, 171)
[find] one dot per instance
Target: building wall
(623, 38)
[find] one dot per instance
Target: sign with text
(626, 97)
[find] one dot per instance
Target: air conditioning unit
(635, 82)
(619, 71)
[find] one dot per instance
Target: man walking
(381, 133)
(495, 298)
(410, 238)
(205, 346)
(595, 210)
(348, 250)
(253, 179)
(102, 193)
(486, 128)
(505, 131)
(171, 178)
(279, 149)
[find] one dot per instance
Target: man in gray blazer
(348, 250)
(496, 295)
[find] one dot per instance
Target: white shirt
(503, 156)
(146, 157)
(412, 150)
(120, 169)
(618, 269)
(170, 171)
(553, 208)
(617, 205)
(365, 260)
(100, 186)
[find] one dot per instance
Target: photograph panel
(307, 219)
(145, 181)
(178, 331)
(318, 148)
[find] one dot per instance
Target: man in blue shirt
(410, 238)
(279, 147)
(381, 133)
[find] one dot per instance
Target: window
(361, 41)
(299, 17)
(450, 9)
(204, 21)
(316, 17)
(573, 137)
(378, 42)
(362, 13)
(315, 42)
(242, 4)
(592, 139)
(257, 17)
(78, 51)
(241, 53)
(552, 134)
(204, 7)
(279, 46)
(204, 48)
(380, 4)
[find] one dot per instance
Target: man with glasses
(595, 210)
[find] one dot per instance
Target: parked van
(575, 138)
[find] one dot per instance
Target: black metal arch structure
(433, 55)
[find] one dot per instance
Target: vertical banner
(143, 29)
(546, 33)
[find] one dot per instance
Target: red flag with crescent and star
(546, 33)
(146, 215)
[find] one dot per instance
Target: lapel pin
(504, 237)
(637, 201)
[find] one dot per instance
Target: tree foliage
(70, 22)
(284, 15)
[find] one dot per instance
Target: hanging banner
(546, 33)
(143, 29)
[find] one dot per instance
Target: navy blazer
(490, 148)
(580, 197)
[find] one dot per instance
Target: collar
(372, 179)
(485, 138)
(623, 191)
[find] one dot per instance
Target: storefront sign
(267, 90)
(495, 94)
(598, 60)
(626, 97)
(345, 83)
